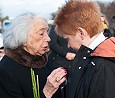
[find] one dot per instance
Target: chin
(43, 52)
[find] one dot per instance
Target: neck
(89, 40)
(96, 41)
(93, 38)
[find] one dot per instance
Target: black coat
(59, 50)
(15, 79)
(94, 73)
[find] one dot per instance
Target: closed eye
(42, 34)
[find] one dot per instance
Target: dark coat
(15, 78)
(57, 56)
(59, 50)
(94, 73)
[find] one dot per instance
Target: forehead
(61, 33)
(39, 23)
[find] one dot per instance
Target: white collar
(97, 41)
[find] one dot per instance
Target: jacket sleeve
(9, 87)
(103, 82)
(54, 45)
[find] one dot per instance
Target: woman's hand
(57, 77)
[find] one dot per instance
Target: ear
(83, 33)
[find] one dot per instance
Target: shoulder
(103, 63)
(12, 68)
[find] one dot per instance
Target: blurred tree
(110, 11)
(103, 6)
(6, 18)
(107, 8)
(53, 15)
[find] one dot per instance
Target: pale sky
(40, 7)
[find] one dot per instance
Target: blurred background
(46, 8)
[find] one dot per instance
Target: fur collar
(25, 58)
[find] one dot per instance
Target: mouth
(46, 48)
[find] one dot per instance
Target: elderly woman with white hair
(22, 70)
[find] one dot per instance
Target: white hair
(17, 32)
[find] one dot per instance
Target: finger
(62, 80)
(55, 81)
(52, 77)
(57, 84)
(60, 75)
(56, 72)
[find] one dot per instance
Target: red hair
(79, 13)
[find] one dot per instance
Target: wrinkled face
(37, 42)
(74, 41)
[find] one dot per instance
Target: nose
(47, 38)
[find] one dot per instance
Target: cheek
(38, 45)
(75, 44)
(71, 43)
(35, 43)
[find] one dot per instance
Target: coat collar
(105, 49)
(25, 58)
(97, 41)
